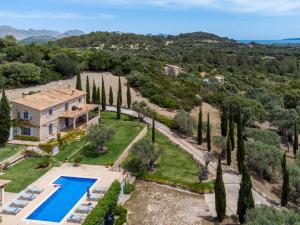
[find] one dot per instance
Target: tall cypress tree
(245, 200)
(224, 121)
(285, 184)
(119, 102)
(231, 128)
(128, 96)
(228, 149)
(153, 129)
(98, 96)
(78, 82)
(88, 90)
(111, 96)
(200, 127)
(5, 119)
(220, 194)
(120, 91)
(296, 141)
(240, 155)
(103, 95)
(208, 140)
(94, 93)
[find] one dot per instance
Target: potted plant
(77, 161)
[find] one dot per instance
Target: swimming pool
(57, 206)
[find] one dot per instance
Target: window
(66, 106)
(26, 115)
(25, 131)
(50, 128)
(50, 112)
(79, 99)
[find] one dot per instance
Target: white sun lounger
(27, 196)
(34, 190)
(18, 203)
(10, 210)
(100, 190)
(75, 218)
(95, 197)
(84, 209)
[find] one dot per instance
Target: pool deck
(104, 179)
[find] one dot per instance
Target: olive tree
(98, 134)
(185, 122)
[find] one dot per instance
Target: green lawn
(23, 174)
(174, 164)
(9, 150)
(126, 130)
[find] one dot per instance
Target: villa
(172, 70)
(44, 114)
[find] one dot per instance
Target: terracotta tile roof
(82, 109)
(47, 99)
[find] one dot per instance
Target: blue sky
(238, 19)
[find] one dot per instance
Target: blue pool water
(56, 207)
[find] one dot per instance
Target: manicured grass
(126, 130)
(9, 150)
(174, 164)
(23, 174)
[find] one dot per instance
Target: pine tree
(231, 128)
(240, 142)
(153, 130)
(296, 141)
(94, 93)
(245, 199)
(285, 184)
(200, 127)
(88, 90)
(228, 149)
(5, 119)
(224, 121)
(103, 95)
(220, 194)
(128, 96)
(78, 82)
(98, 96)
(111, 96)
(120, 91)
(208, 134)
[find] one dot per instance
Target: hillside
(37, 39)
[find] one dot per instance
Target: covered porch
(78, 117)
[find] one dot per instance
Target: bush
(26, 138)
(166, 120)
(44, 164)
(107, 204)
(185, 122)
(265, 136)
(78, 160)
(128, 188)
(294, 171)
(121, 212)
(199, 188)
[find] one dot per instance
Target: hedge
(106, 205)
(166, 120)
(199, 188)
(121, 212)
(26, 138)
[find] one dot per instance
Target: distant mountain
(37, 39)
(20, 34)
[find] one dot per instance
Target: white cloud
(51, 15)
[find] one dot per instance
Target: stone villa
(172, 70)
(44, 114)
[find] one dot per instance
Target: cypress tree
(231, 128)
(128, 96)
(285, 184)
(228, 149)
(111, 96)
(120, 91)
(245, 200)
(240, 142)
(94, 93)
(88, 90)
(296, 141)
(103, 95)
(224, 121)
(5, 119)
(153, 130)
(208, 134)
(98, 96)
(220, 194)
(119, 101)
(200, 127)
(78, 82)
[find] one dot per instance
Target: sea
(272, 42)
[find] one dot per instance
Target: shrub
(26, 138)
(166, 120)
(294, 171)
(78, 160)
(265, 136)
(200, 188)
(107, 204)
(44, 164)
(121, 212)
(128, 188)
(185, 122)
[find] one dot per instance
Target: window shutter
(31, 131)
